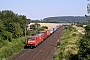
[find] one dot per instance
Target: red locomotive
(34, 40)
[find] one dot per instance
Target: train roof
(38, 34)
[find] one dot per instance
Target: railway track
(44, 51)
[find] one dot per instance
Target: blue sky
(39, 9)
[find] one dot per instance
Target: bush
(31, 32)
(43, 28)
(1, 43)
(84, 47)
(9, 48)
(74, 34)
(6, 35)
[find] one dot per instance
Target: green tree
(84, 48)
(35, 26)
(43, 28)
(7, 35)
(32, 26)
(17, 30)
(11, 25)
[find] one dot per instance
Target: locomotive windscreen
(31, 38)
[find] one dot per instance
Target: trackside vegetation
(84, 47)
(68, 45)
(73, 45)
(11, 33)
(11, 48)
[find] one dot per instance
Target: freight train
(39, 37)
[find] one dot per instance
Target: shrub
(74, 34)
(31, 32)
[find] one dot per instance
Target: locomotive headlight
(33, 41)
(28, 41)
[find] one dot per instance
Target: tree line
(11, 25)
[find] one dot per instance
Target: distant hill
(66, 19)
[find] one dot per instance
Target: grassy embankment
(9, 49)
(68, 47)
